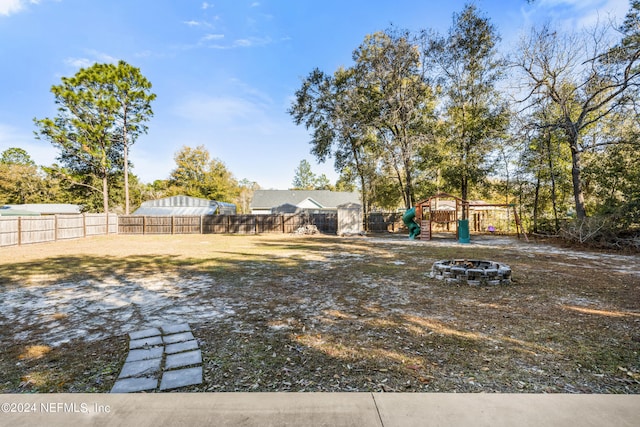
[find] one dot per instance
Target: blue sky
(224, 71)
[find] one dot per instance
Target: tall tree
(304, 178)
(474, 115)
(245, 195)
(544, 160)
(397, 101)
(329, 106)
(588, 77)
(20, 179)
(83, 130)
(16, 156)
(191, 167)
(132, 93)
(197, 175)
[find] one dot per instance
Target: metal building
(184, 205)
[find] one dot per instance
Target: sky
(224, 71)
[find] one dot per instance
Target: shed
(350, 219)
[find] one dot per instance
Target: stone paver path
(162, 358)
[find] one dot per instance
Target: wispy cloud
(579, 13)
(206, 5)
(200, 24)
(248, 42)
(245, 103)
(79, 62)
(9, 7)
(218, 109)
(93, 56)
(210, 37)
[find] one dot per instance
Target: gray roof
(184, 205)
(267, 199)
(47, 208)
(286, 208)
(175, 210)
(175, 201)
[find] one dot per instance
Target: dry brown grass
(323, 313)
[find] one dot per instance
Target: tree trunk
(125, 152)
(536, 202)
(464, 190)
(365, 205)
(576, 169)
(105, 184)
(554, 197)
(105, 194)
(408, 187)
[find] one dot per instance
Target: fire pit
(471, 272)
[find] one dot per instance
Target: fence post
(173, 220)
(84, 225)
(201, 224)
(55, 227)
(144, 224)
(19, 230)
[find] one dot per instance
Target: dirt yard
(322, 313)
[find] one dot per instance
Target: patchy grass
(322, 313)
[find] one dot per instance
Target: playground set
(443, 212)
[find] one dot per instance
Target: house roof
(42, 208)
(285, 208)
(267, 199)
(8, 211)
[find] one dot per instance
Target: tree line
(552, 126)
(196, 174)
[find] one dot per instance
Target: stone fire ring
(471, 272)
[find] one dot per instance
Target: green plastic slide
(414, 228)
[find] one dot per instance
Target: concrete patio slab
(326, 409)
(132, 385)
(183, 336)
(498, 410)
(181, 378)
(181, 346)
(174, 329)
(145, 342)
(144, 354)
(140, 368)
(180, 360)
(150, 332)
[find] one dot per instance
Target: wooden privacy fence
(38, 229)
(225, 224)
(23, 230)
(384, 221)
